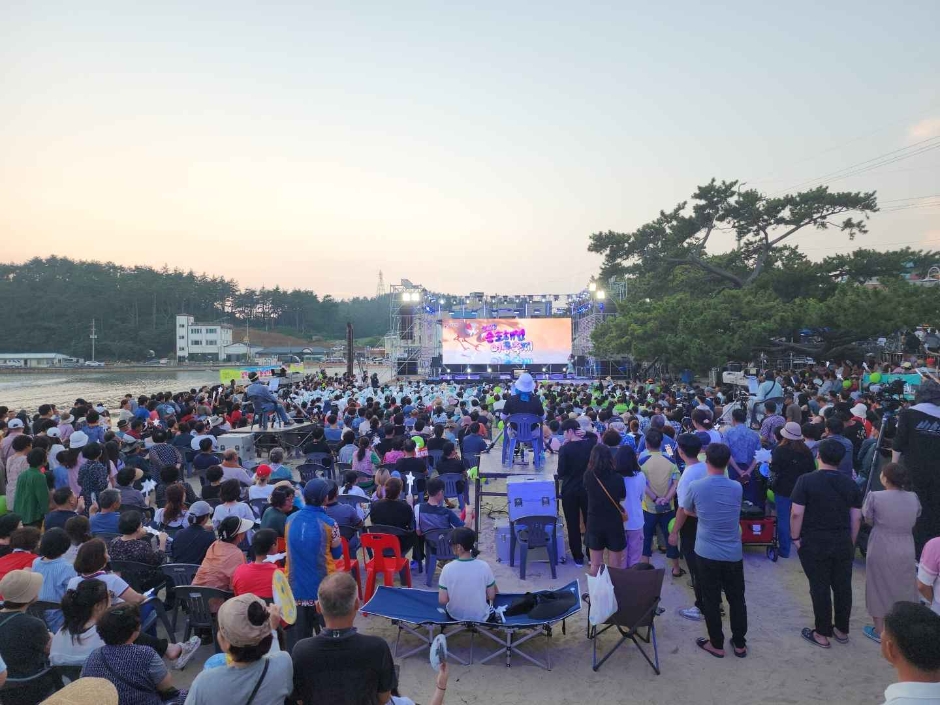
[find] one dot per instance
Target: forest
(48, 306)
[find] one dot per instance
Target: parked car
(93, 363)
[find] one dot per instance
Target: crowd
(90, 490)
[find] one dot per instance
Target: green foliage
(689, 308)
(48, 305)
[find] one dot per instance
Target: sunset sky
(468, 147)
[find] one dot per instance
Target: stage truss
(413, 338)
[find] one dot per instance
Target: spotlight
(443, 303)
(592, 287)
(544, 369)
(489, 369)
(601, 294)
(405, 296)
(468, 368)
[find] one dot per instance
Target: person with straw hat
(24, 639)
(790, 459)
(84, 691)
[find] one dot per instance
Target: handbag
(601, 594)
(623, 513)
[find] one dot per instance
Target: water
(28, 391)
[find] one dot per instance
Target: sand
(780, 668)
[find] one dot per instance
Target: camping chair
(525, 429)
(198, 613)
(434, 457)
(451, 488)
(178, 574)
(533, 532)
(258, 506)
(437, 548)
(47, 675)
(322, 460)
(70, 673)
(380, 544)
(638, 593)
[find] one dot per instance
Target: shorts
(612, 538)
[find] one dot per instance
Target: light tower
(380, 288)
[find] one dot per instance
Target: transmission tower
(380, 287)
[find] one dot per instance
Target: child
(467, 585)
(214, 479)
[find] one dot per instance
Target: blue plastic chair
(451, 491)
(324, 460)
(434, 457)
(436, 549)
(534, 532)
(524, 429)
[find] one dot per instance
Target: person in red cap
(261, 489)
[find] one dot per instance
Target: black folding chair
(638, 594)
(70, 673)
(324, 461)
(34, 683)
(199, 615)
(178, 574)
(140, 577)
(533, 532)
(258, 506)
(39, 607)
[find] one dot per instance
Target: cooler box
(758, 530)
(242, 443)
(530, 495)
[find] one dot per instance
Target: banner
(911, 382)
(240, 374)
(506, 341)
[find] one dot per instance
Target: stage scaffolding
(589, 309)
(414, 336)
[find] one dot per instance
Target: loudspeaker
(580, 361)
(437, 361)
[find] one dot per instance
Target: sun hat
(65, 417)
(235, 625)
(252, 376)
(122, 423)
(53, 432)
(285, 483)
(792, 431)
(20, 586)
(79, 439)
(585, 423)
(200, 509)
(859, 410)
(85, 690)
(525, 384)
(263, 471)
(215, 421)
(15, 423)
(229, 529)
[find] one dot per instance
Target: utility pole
(93, 339)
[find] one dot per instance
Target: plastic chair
(178, 574)
(13, 685)
(525, 429)
(638, 594)
(451, 489)
(308, 471)
(105, 536)
(387, 565)
(434, 457)
(353, 500)
(342, 468)
(350, 565)
(146, 513)
(258, 416)
(198, 613)
(533, 532)
(258, 506)
(323, 460)
(437, 548)
(137, 575)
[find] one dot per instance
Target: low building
(201, 341)
(33, 360)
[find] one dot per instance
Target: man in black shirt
(340, 665)
(825, 516)
(572, 463)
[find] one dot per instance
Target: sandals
(840, 639)
(740, 653)
(809, 635)
(679, 574)
(702, 642)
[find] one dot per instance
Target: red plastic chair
(380, 563)
(350, 565)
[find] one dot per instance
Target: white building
(201, 339)
(22, 360)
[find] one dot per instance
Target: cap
(21, 586)
(235, 625)
(200, 509)
(792, 431)
(15, 423)
(859, 410)
(79, 439)
(585, 423)
(263, 471)
(85, 690)
(53, 432)
(315, 491)
(229, 529)
(122, 423)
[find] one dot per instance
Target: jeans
(687, 545)
(574, 507)
(278, 409)
(783, 525)
(716, 576)
(650, 522)
(827, 563)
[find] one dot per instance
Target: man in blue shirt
(769, 390)
(744, 444)
(474, 442)
(106, 520)
(260, 394)
(716, 501)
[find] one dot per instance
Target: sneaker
(578, 563)
(189, 650)
(692, 613)
(869, 631)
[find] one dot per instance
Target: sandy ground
(780, 668)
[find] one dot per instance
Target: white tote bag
(603, 601)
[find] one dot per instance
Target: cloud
(929, 127)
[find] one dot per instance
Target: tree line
(687, 307)
(48, 305)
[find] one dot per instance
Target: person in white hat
(14, 429)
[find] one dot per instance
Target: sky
(465, 148)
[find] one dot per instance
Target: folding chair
(39, 608)
(198, 613)
(12, 685)
(638, 594)
(323, 460)
(70, 673)
(342, 468)
(137, 575)
(524, 429)
(533, 532)
(437, 548)
(105, 536)
(178, 574)
(258, 506)
(379, 543)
